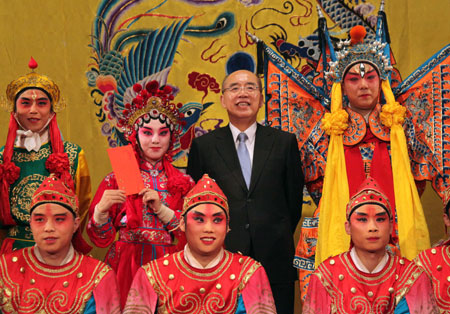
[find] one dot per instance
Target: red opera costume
(337, 286)
(30, 286)
(436, 263)
(171, 285)
(143, 236)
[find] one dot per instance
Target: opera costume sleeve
(142, 298)
(436, 264)
(420, 297)
(257, 294)
(317, 299)
(30, 286)
(83, 188)
(102, 235)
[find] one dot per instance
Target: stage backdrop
(95, 50)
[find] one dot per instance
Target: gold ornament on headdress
(33, 80)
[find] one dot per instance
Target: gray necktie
(244, 158)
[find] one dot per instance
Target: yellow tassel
(332, 239)
(412, 226)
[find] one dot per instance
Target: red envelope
(126, 169)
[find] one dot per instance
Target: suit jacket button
(247, 226)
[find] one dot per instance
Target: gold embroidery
(21, 196)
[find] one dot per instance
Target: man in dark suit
(260, 173)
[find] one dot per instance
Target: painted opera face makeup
(154, 140)
(242, 97)
(205, 226)
(361, 85)
(370, 228)
(33, 109)
(53, 227)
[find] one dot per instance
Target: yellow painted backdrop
(57, 33)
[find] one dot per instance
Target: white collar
(66, 260)
(32, 140)
(192, 261)
(363, 268)
(250, 131)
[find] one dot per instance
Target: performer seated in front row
(51, 277)
(368, 279)
(204, 278)
(436, 263)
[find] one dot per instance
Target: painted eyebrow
(218, 214)
(198, 213)
(40, 98)
(147, 128)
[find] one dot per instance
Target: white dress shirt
(250, 142)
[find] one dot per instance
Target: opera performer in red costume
(204, 278)
(34, 148)
(436, 263)
(51, 276)
(368, 279)
(145, 221)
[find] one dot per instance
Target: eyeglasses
(236, 89)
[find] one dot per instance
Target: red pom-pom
(167, 89)
(171, 97)
(357, 34)
(179, 105)
(10, 172)
(179, 184)
(137, 88)
(144, 94)
(58, 163)
(152, 86)
(32, 64)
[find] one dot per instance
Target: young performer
(52, 277)
(368, 279)
(145, 222)
(436, 263)
(204, 278)
(34, 149)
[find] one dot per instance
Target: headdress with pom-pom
(151, 102)
(354, 50)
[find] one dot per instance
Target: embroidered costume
(338, 286)
(178, 283)
(343, 283)
(83, 285)
(238, 284)
(142, 235)
(25, 166)
(353, 149)
(436, 263)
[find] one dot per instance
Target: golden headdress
(34, 80)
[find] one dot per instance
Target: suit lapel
(263, 146)
(227, 151)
